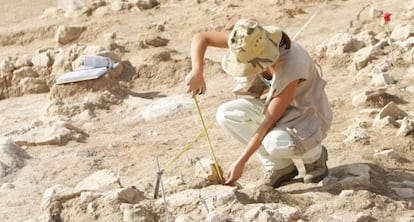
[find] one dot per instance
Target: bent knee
(278, 141)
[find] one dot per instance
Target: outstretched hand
(195, 83)
(234, 173)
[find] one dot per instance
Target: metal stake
(159, 184)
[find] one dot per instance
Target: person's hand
(234, 173)
(195, 83)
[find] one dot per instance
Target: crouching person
(290, 122)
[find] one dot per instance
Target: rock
(66, 34)
(410, 89)
(389, 153)
(23, 72)
(347, 193)
(12, 157)
(29, 85)
(216, 216)
(375, 13)
(382, 79)
(357, 134)
(42, 60)
(216, 196)
(407, 126)
(371, 98)
(353, 175)
(392, 110)
(137, 212)
(342, 43)
(7, 186)
(56, 131)
(147, 4)
(164, 107)
(384, 122)
(117, 5)
(402, 32)
(126, 195)
(6, 66)
(206, 168)
(181, 199)
(24, 60)
(382, 66)
(365, 55)
(146, 40)
(100, 180)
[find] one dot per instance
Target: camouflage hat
(252, 48)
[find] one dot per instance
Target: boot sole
(285, 178)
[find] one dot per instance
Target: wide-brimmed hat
(252, 48)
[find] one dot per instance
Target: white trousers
(241, 118)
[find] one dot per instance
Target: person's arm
(273, 112)
(200, 42)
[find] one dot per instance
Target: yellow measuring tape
(208, 139)
(201, 133)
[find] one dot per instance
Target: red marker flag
(387, 16)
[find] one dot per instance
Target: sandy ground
(120, 142)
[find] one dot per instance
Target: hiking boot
(275, 178)
(317, 170)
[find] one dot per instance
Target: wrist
(242, 160)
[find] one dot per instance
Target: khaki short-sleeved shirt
(309, 115)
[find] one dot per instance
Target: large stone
(357, 134)
(147, 4)
(29, 85)
(382, 79)
(218, 196)
(24, 60)
(407, 126)
(365, 55)
(369, 97)
(339, 44)
(42, 59)
(392, 110)
(66, 34)
(12, 157)
(100, 180)
(56, 131)
(6, 65)
(354, 175)
(402, 32)
(126, 195)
